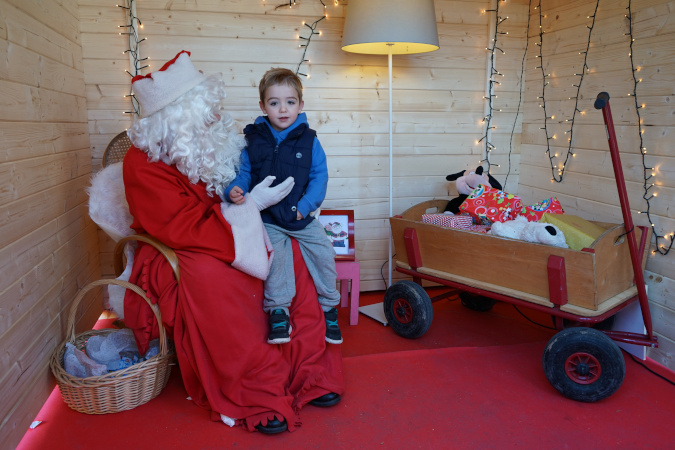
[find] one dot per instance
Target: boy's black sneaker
(280, 327)
(333, 335)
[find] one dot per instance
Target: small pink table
(346, 271)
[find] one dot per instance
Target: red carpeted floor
(474, 380)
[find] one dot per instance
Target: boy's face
(281, 106)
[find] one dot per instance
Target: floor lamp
(390, 27)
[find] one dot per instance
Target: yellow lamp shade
(375, 26)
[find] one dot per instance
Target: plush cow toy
(466, 182)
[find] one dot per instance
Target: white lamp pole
(390, 27)
(391, 159)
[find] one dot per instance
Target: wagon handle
(602, 102)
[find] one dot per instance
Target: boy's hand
(236, 195)
(299, 216)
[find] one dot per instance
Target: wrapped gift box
(479, 228)
(579, 233)
(448, 220)
(533, 213)
(461, 221)
(488, 205)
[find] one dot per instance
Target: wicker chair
(116, 149)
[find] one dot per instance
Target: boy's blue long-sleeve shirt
(318, 174)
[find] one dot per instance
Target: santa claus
(185, 149)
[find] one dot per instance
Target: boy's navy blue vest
(292, 157)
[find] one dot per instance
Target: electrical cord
(382, 271)
(536, 323)
(645, 366)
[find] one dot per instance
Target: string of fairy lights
(520, 90)
(305, 41)
(558, 170)
(648, 172)
(490, 95)
(135, 61)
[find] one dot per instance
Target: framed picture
(339, 227)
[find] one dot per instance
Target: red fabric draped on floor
(220, 337)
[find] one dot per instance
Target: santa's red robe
(214, 314)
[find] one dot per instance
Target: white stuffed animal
(521, 228)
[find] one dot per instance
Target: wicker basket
(119, 390)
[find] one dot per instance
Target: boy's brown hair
(278, 75)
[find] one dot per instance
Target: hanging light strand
(663, 245)
(305, 41)
(290, 4)
(520, 91)
(135, 61)
(491, 88)
(556, 171)
(584, 70)
(543, 78)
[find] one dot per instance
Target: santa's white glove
(264, 196)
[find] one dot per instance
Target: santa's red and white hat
(157, 89)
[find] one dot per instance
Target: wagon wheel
(476, 302)
(408, 310)
(584, 364)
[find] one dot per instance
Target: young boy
(281, 144)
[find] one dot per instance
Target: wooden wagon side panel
(513, 265)
(614, 270)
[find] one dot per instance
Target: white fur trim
(108, 205)
(251, 242)
(164, 86)
(115, 291)
(227, 420)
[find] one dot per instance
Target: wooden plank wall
(48, 246)
(438, 97)
(588, 188)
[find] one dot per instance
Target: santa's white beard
(212, 156)
(196, 135)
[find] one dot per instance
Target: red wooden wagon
(581, 290)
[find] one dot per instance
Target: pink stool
(349, 270)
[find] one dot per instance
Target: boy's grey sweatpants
(319, 256)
